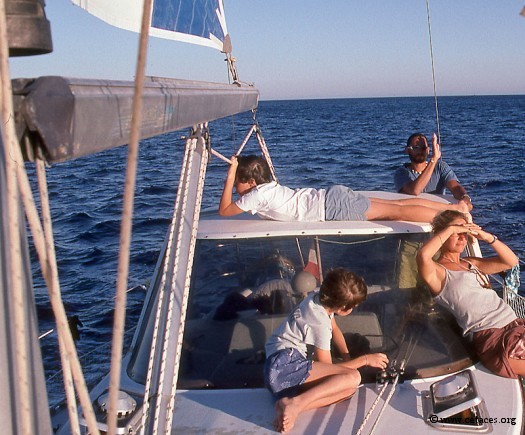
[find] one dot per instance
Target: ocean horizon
(439, 97)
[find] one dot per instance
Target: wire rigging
(433, 73)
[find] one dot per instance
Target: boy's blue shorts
(285, 370)
(343, 204)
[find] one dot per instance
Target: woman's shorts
(496, 345)
(343, 204)
(285, 370)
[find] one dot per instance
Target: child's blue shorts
(343, 204)
(284, 370)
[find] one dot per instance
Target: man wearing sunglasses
(424, 174)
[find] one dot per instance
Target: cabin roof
(213, 226)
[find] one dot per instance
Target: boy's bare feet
(286, 413)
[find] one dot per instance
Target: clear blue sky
(295, 49)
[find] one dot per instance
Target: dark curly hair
(342, 289)
(255, 167)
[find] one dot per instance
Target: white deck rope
(175, 266)
(46, 256)
(220, 156)
(371, 410)
(246, 139)
(126, 224)
(265, 152)
(408, 354)
(48, 263)
(387, 401)
(66, 344)
(68, 380)
(260, 139)
(148, 394)
(15, 267)
(163, 294)
(411, 346)
(194, 226)
(241, 147)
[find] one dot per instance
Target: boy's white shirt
(276, 202)
(308, 324)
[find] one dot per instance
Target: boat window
(243, 288)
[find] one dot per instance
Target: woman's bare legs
(410, 209)
(327, 384)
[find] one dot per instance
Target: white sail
(199, 22)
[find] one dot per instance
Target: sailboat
(190, 367)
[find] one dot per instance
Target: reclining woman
(461, 285)
(252, 179)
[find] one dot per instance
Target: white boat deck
(251, 411)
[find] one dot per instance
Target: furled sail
(199, 22)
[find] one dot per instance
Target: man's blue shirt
(441, 175)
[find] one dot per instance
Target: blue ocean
(313, 143)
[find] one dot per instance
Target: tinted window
(228, 326)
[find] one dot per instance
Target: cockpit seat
(364, 324)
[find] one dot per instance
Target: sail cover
(199, 22)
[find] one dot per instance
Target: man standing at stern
(427, 175)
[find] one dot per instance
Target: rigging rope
(14, 250)
(126, 224)
(387, 401)
(371, 410)
(17, 177)
(202, 137)
(232, 69)
(265, 152)
(411, 346)
(165, 306)
(51, 276)
(148, 393)
(433, 74)
(233, 75)
(182, 193)
(260, 139)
